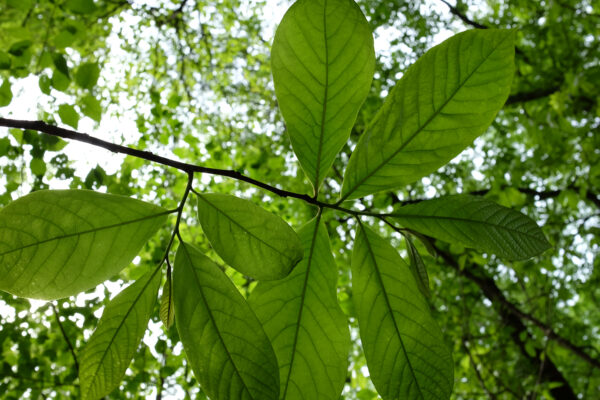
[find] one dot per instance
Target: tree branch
(64, 334)
(455, 11)
(41, 126)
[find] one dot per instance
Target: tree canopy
(455, 259)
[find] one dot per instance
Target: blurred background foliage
(190, 79)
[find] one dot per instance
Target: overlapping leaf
(323, 62)
(301, 316)
(225, 344)
(111, 348)
(404, 347)
(58, 243)
(443, 102)
(475, 222)
(418, 268)
(249, 238)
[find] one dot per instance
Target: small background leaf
(417, 267)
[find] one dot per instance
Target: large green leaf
(58, 243)
(109, 351)
(404, 347)
(250, 239)
(301, 316)
(441, 104)
(323, 62)
(225, 344)
(475, 222)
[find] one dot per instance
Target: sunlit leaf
(323, 63)
(475, 222)
(249, 238)
(58, 243)
(403, 345)
(301, 316)
(441, 104)
(109, 351)
(225, 344)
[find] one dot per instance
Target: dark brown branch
(64, 334)
(41, 126)
(532, 95)
(455, 11)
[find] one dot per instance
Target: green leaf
(68, 115)
(109, 351)
(38, 166)
(225, 344)
(81, 6)
(323, 62)
(87, 75)
(91, 107)
(167, 314)
(404, 347)
(442, 103)
(307, 328)
(4, 60)
(60, 81)
(44, 84)
(475, 222)
(5, 93)
(60, 62)
(57, 243)
(417, 267)
(250, 239)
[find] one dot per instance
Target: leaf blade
(225, 344)
(110, 349)
(301, 316)
(249, 238)
(424, 123)
(475, 222)
(167, 314)
(320, 81)
(402, 343)
(58, 243)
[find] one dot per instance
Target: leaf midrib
(88, 231)
(389, 306)
(324, 110)
(213, 321)
(113, 337)
(302, 297)
(411, 137)
(244, 229)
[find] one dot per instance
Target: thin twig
(64, 334)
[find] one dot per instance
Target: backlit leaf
(57, 243)
(301, 316)
(403, 345)
(323, 61)
(250, 239)
(475, 222)
(417, 267)
(111, 348)
(225, 344)
(167, 314)
(442, 103)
